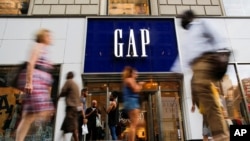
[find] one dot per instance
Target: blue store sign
(148, 44)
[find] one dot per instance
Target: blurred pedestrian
(93, 115)
(131, 104)
(112, 112)
(36, 82)
(201, 54)
(70, 91)
(82, 119)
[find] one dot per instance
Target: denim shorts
(131, 103)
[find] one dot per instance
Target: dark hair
(186, 18)
(84, 89)
(70, 75)
(189, 14)
(115, 94)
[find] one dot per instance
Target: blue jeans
(113, 132)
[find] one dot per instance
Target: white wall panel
(21, 28)
(239, 35)
(56, 51)
(238, 28)
(2, 27)
(57, 25)
(14, 51)
(237, 7)
(1, 41)
(241, 49)
(75, 46)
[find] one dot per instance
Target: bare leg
(75, 135)
(205, 138)
(23, 128)
(134, 118)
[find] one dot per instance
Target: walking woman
(36, 82)
(131, 103)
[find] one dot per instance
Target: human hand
(28, 88)
(193, 108)
(85, 121)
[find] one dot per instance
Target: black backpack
(221, 63)
(219, 60)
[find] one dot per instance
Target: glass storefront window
(244, 75)
(11, 109)
(128, 7)
(231, 98)
(14, 7)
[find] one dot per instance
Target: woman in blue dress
(131, 104)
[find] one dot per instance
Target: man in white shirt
(199, 53)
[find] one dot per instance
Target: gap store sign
(148, 44)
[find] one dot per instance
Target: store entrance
(161, 114)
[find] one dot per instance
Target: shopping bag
(98, 122)
(85, 129)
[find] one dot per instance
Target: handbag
(85, 129)
(98, 121)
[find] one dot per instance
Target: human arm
(136, 87)
(84, 118)
(35, 52)
(89, 112)
(65, 89)
(110, 107)
(215, 38)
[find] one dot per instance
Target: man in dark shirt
(112, 112)
(91, 114)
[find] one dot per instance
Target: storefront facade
(97, 45)
(70, 52)
(114, 43)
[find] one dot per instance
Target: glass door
(166, 113)
(161, 116)
(100, 91)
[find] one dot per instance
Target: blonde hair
(41, 35)
(127, 72)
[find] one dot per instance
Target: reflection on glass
(244, 74)
(231, 97)
(10, 116)
(128, 7)
(14, 7)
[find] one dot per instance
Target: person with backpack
(208, 57)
